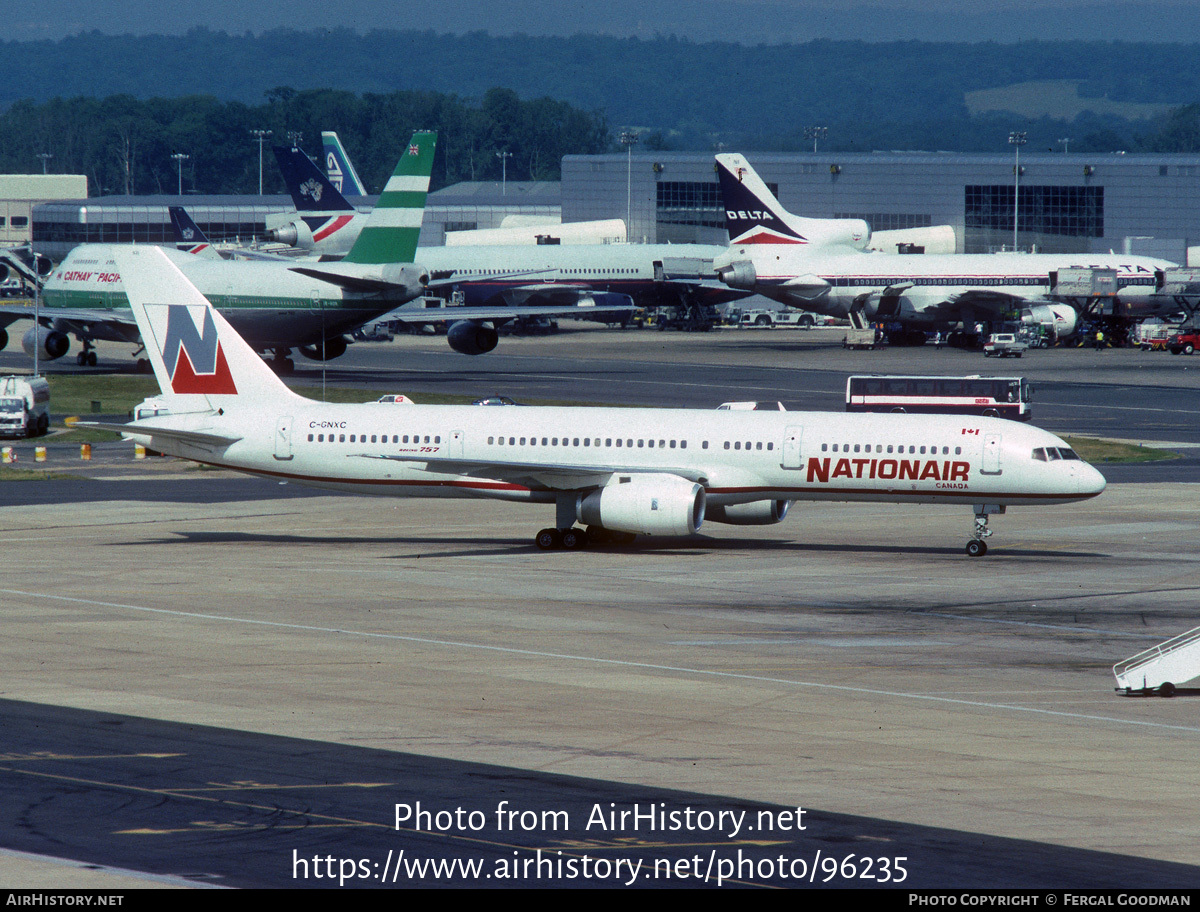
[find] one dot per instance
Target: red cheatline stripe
(330, 227)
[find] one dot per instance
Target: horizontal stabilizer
(150, 429)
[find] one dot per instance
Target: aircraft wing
(111, 325)
(992, 301)
(563, 476)
(420, 316)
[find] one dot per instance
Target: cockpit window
(1052, 454)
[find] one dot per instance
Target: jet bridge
(1161, 668)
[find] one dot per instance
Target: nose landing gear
(977, 547)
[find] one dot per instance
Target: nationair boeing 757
(619, 472)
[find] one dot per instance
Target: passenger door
(792, 439)
(991, 455)
(283, 438)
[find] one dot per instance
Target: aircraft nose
(1090, 481)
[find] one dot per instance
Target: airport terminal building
(61, 225)
(1148, 204)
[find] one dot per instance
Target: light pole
(815, 133)
(45, 157)
(1017, 139)
(180, 158)
(629, 139)
(1066, 143)
(504, 155)
(261, 134)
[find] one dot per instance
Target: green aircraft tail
(394, 225)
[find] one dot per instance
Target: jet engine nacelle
(3, 339)
(292, 234)
(739, 274)
(650, 504)
(758, 513)
(41, 265)
(1061, 316)
(470, 338)
(48, 343)
(333, 348)
(5, 272)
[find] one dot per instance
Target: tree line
(127, 145)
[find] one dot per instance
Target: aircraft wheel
(91, 359)
(81, 359)
(976, 548)
(1167, 689)
(574, 539)
(43, 425)
(548, 539)
(143, 365)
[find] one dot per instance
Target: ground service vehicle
(24, 406)
(1003, 345)
(1002, 397)
(1184, 342)
(767, 318)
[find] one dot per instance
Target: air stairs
(1161, 668)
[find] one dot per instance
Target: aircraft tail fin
(188, 236)
(339, 168)
(754, 215)
(197, 356)
(310, 189)
(393, 228)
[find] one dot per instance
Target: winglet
(195, 353)
(394, 226)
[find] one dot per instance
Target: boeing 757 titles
(619, 471)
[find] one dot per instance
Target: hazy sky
(744, 21)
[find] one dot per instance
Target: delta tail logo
(748, 218)
(193, 358)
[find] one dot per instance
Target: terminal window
(693, 203)
(1068, 211)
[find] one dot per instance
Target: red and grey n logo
(193, 357)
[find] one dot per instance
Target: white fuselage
(926, 286)
(538, 453)
(269, 303)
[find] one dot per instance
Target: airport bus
(1004, 397)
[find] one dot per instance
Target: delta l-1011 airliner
(619, 471)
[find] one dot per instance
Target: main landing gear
(574, 539)
(977, 547)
